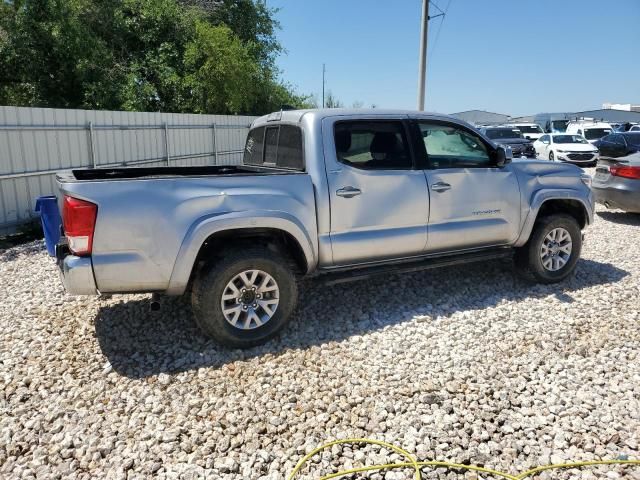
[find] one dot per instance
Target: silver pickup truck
(339, 194)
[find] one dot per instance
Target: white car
(590, 129)
(564, 147)
(530, 131)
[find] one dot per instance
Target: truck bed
(149, 220)
(129, 173)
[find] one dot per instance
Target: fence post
(166, 142)
(215, 145)
(92, 147)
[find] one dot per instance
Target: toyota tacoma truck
(336, 194)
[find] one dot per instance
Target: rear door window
(372, 145)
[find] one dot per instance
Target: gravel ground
(464, 364)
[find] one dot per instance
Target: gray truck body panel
(149, 230)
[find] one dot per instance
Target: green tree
(214, 56)
(223, 77)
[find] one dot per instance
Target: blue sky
(510, 56)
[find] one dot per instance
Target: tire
(529, 258)
(551, 157)
(214, 281)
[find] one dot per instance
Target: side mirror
(504, 155)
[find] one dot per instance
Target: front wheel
(553, 249)
(551, 157)
(245, 298)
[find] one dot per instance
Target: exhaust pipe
(154, 303)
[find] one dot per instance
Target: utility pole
(422, 64)
(323, 72)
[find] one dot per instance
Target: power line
(443, 15)
(439, 9)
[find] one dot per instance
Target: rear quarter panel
(145, 227)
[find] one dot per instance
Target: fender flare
(542, 196)
(204, 227)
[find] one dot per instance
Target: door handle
(440, 187)
(348, 192)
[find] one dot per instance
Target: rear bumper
(623, 198)
(76, 273)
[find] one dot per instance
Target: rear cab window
(253, 147)
(372, 145)
(278, 145)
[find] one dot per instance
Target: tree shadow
(623, 218)
(139, 343)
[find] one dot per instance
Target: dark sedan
(618, 145)
(616, 183)
(512, 137)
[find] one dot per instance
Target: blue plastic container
(51, 221)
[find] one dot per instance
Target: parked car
(618, 144)
(589, 129)
(511, 137)
(338, 194)
(530, 131)
(566, 148)
(616, 183)
(626, 127)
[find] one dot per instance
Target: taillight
(625, 171)
(79, 221)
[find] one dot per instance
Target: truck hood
(544, 168)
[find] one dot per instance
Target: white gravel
(465, 364)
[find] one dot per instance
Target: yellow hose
(416, 465)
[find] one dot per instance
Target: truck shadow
(621, 217)
(139, 343)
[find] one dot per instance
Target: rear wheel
(245, 298)
(553, 249)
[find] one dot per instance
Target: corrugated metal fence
(37, 142)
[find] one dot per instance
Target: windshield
(529, 128)
(495, 133)
(633, 138)
(596, 133)
(559, 125)
(569, 139)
